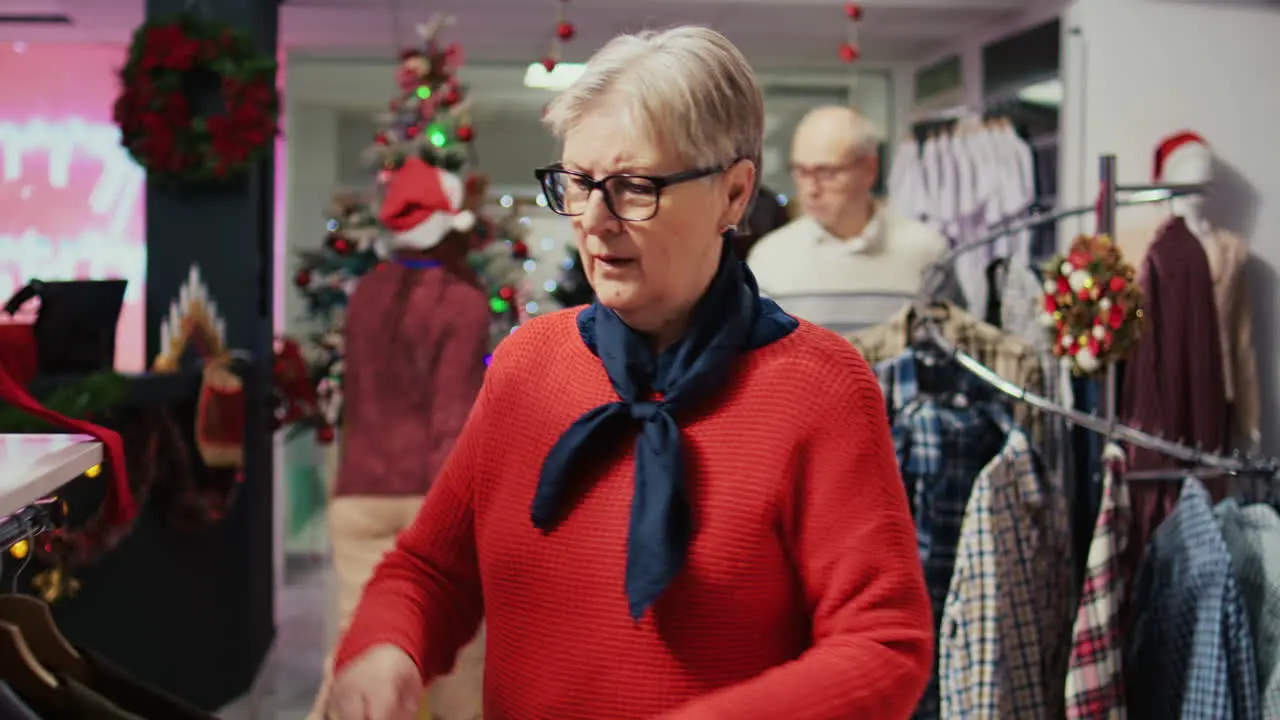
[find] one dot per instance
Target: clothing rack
(1108, 200)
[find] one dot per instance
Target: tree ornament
(339, 243)
(507, 293)
(549, 63)
(853, 11)
(302, 279)
(465, 133)
(166, 62)
(1092, 311)
(520, 250)
(325, 434)
(849, 52)
(565, 31)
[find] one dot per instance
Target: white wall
(1140, 70)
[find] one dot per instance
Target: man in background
(847, 262)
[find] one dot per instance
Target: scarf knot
(646, 410)
(730, 319)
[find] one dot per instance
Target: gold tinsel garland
(1092, 304)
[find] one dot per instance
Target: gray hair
(688, 86)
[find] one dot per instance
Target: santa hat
(423, 204)
(1168, 146)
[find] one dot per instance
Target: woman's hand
(381, 684)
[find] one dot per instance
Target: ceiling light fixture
(561, 77)
(1048, 93)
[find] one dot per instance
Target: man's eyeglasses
(633, 198)
(823, 174)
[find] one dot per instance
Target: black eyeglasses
(633, 198)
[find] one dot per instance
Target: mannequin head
(1185, 159)
(834, 162)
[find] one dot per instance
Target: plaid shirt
(1191, 651)
(1095, 681)
(1008, 356)
(943, 441)
(1252, 533)
(1007, 616)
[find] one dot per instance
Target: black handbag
(75, 330)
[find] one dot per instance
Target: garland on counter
(1092, 306)
(175, 63)
(80, 399)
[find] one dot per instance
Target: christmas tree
(427, 119)
(572, 288)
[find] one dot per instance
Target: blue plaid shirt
(1191, 649)
(947, 425)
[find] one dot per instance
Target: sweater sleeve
(853, 543)
(424, 597)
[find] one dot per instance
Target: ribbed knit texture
(802, 596)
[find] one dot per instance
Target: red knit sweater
(802, 596)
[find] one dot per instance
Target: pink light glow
(71, 199)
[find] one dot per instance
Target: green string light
(498, 305)
(424, 92)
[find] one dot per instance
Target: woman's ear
(740, 181)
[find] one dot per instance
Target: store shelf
(35, 466)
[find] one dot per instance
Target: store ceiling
(774, 33)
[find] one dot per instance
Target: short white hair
(687, 86)
(867, 137)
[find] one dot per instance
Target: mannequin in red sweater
(677, 502)
(417, 332)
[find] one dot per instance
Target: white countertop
(35, 466)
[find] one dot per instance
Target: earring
(728, 229)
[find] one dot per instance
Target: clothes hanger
(20, 669)
(34, 620)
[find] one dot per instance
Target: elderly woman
(679, 501)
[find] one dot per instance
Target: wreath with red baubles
(1092, 306)
(171, 67)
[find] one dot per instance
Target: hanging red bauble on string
(506, 292)
(853, 11)
(519, 250)
(849, 52)
(465, 133)
(451, 97)
(302, 279)
(565, 31)
(549, 63)
(411, 132)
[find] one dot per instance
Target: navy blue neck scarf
(730, 319)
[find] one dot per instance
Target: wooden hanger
(20, 669)
(42, 636)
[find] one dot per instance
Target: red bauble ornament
(465, 133)
(302, 279)
(849, 52)
(520, 250)
(549, 63)
(340, 244)
(507, 293)
(1117, 284)
(565, 31)
(412, 131)
(382, 139)
(853, 11)
(451, 97)
(325, 435)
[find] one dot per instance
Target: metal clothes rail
(1108, 201)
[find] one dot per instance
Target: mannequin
(1186, 158)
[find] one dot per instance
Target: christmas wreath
(1092, 305)
(174, 69)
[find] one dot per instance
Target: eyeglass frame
(660, 183)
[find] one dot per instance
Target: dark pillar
(192, 612)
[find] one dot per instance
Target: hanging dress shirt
(943, 440)
(1008, 614)
(1252, 534)
(1095, 680)
(1191, 653)
(931, 159)
(908, 194)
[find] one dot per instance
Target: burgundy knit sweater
(415, 347)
